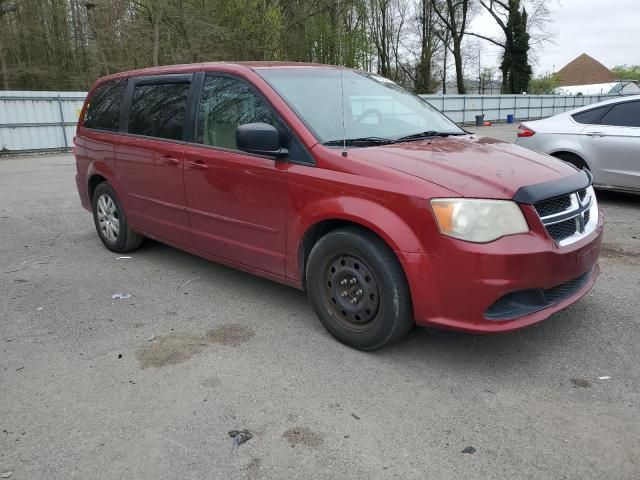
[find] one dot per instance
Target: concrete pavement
(148, 388)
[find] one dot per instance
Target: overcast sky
(608, 30)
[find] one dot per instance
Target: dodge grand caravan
(341, 183)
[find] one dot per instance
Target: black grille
(554, 205)
(573, 209)
(562, 291)
(582, 193)
(524, 302)
(560, 231)
(504, 302)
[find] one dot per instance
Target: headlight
(477, 220)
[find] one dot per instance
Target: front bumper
(457, 290)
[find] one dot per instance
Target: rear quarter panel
(551, 143)
(554, 135)
(95, 155)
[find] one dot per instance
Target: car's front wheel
(358, 289)
(111, 222)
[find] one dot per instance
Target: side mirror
(260, 138)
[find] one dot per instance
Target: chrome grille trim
(583, 210)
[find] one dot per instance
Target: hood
(469, 165)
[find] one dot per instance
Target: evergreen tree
(516, 71)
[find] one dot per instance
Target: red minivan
(341, 183)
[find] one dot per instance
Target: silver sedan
(603, 137)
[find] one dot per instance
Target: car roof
(264, 64)
(617, 99)
(567, 116)
(194, 67)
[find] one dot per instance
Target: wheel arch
(315, 231)
(99, 172)
(567, 151)
(93, 182)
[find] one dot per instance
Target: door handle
(169, 160)
(197, 164)
(596, 134)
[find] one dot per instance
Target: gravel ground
(149, 387)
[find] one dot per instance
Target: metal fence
(38, 121)
(464, 108)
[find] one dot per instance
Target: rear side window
(158, 110)
(592, 116)
(103, 111)
(623, 115)
(227, 103)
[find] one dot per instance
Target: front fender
(387, 224)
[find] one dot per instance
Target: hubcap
(351, 291)
(108, 220)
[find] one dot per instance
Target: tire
(358, 289)
(572, 159)
(111, 221)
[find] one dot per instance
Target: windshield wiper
(426, 134)
(360, 141)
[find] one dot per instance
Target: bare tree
(539, 21)
(443, 55)
(539, 18)
(61, 44)
(430, 42)
(454, 15)
(379, 19)
(154, 12)
(6, 6)
(399, 15)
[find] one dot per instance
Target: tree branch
(495, 42)
(444, 20)
(499, 21)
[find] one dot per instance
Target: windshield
(375, 108)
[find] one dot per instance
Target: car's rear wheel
(358, 289)
(111, 221)
(573, 159)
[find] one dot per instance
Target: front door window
(227, 103)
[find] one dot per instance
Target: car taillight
(525, 132)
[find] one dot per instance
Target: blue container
(510, 118)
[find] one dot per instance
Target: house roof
(584, 70)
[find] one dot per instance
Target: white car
(603, 137)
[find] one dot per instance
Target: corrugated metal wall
(35, 121)
(464, 108)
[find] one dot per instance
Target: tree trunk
(455, 21)
(156, 36)
(424, 81)
(444, 67)
(457, 58)
(3, 70)
(505, 79)
(333, 36)
(384, 71)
